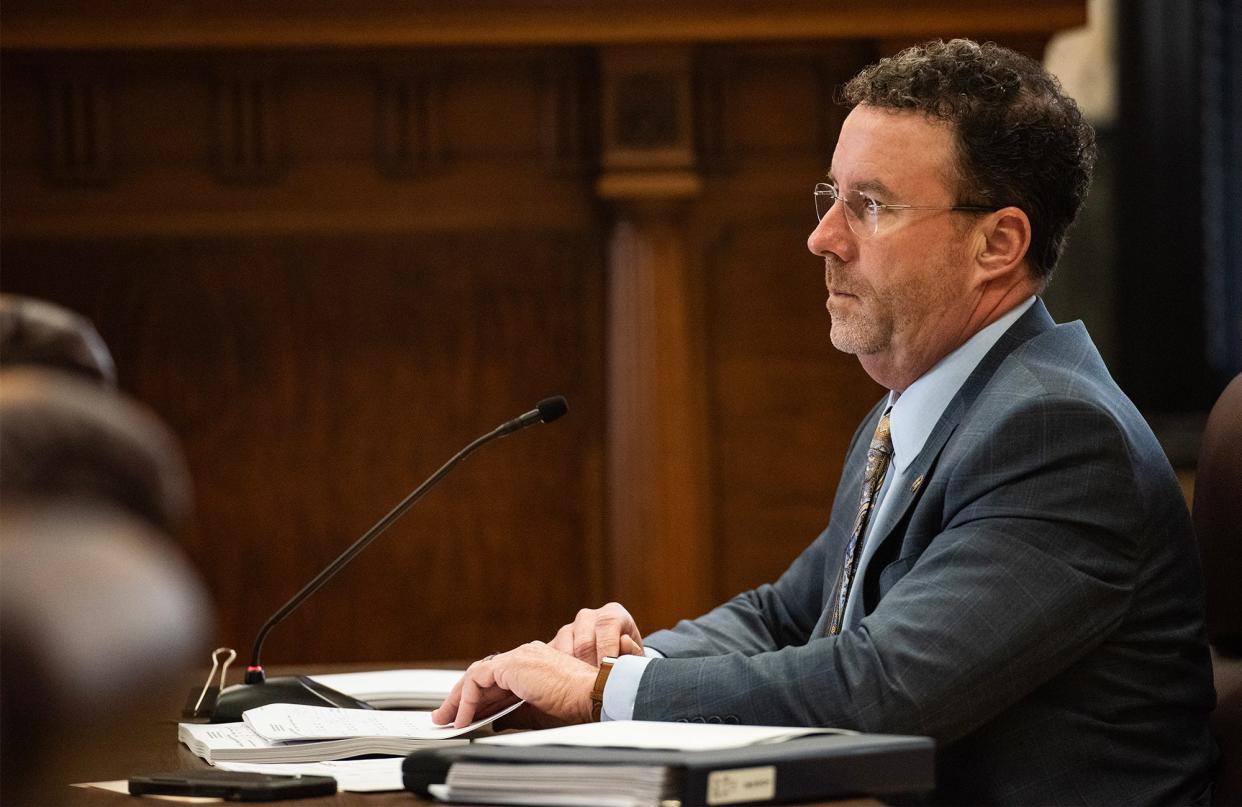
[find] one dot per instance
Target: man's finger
(607, 643)
(469, 700)
(480, 677)
(584, 636)
(629, 647)
(444, 715)
(564, 640)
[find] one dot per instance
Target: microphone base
(286, 689)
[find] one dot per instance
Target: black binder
(816, 767)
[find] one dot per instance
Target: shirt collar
(915, 412)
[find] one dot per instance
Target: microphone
(257, 690)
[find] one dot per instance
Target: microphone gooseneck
(546, 411)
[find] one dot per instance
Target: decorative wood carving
(647, 109)
(714, 80)
(659, 502)
(77, 129)
(248, 145)
(568, 120)
(409, 123)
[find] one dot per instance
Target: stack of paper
(598, 786)
(650, 764)
(657, 736)
(395, 689)
(237, 742)
(613, 785)
(284, 732)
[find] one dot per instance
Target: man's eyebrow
(874, 185)
(867, 185)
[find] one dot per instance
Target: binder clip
(206, 702)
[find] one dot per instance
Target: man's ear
(1004, 239)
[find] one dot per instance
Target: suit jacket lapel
(1034, 321)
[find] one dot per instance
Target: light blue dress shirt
(914, 413)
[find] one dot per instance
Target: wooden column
(657, 474)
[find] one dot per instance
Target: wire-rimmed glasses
(863, 214)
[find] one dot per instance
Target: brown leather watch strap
(597, 692)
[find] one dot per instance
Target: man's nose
(832, 235)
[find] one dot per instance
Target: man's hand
(553, 683)
(600, 632)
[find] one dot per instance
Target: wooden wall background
(331, 250)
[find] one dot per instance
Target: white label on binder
(741, 784)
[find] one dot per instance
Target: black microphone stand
(257, 690)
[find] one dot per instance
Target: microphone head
(552, 408)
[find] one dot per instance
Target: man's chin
(844, 338)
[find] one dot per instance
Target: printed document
(656, 735)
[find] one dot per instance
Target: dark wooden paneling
(314, 381)
(784, 402)
(420, 255)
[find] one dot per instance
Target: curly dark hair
(1021, 140)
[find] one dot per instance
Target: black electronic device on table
(231, 785)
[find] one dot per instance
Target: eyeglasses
(864, 215)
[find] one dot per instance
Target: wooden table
(150, 745)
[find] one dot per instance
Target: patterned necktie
(879, 453)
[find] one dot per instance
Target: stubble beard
(859, 325)
(871, 322)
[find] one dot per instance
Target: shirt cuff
(622, 687)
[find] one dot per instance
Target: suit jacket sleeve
(763, 619)
(1026, 561)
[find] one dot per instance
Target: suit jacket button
(682, 720)
(714, 719)
(696, 720)
(731, 719)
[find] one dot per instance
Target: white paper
(395, 687)
(355, 775)
(656, 735)
(219, 736)
(280, 722)
(237, 742)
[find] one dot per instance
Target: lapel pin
(914, 486)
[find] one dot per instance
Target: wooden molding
(409, 123)
(658, 480)
(648, 186)
(230, 24)
(567, 115)
(647, 109)
(247, 142)
(77, 130)
(713, 85)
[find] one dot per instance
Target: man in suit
(1009, 565)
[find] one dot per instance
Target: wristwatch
(597, 692)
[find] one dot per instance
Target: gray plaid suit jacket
(1036, 605)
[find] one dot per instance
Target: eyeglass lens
(858, 212)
